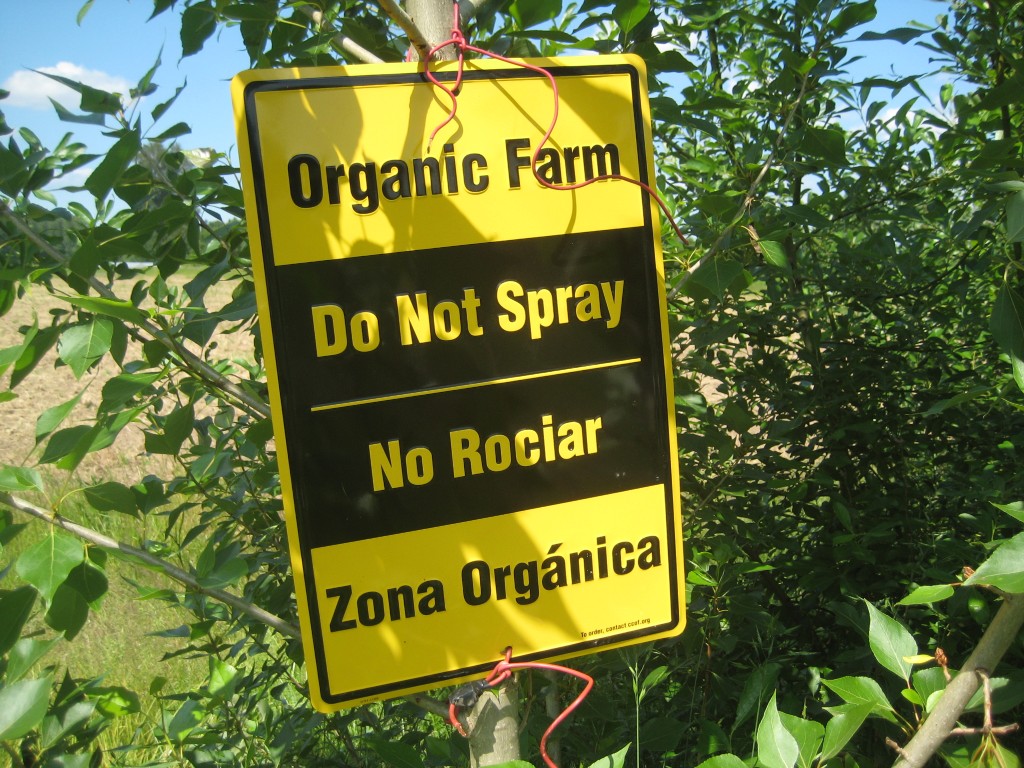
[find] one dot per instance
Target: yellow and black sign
(468, 371)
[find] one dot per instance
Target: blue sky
(115, 45)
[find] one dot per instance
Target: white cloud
(33, 90)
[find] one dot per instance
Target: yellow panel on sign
(542, 578)
(344, 181)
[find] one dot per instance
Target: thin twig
(433, 706)
(999, 730)
(169, 570)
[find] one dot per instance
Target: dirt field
(52, 383)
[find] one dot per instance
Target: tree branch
(941, 722)
(169, 570)
(346, 44)
(404, 20)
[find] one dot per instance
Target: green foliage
(849, 369)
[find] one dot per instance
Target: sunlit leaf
(23, 707)
(776, 747)
(930, 594)
(616, 760)
(1004, 568)
(81, 346)
(842, 727)
(890, 642)
(47, 564)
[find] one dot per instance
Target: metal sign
(468, 372)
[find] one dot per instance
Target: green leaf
(653, 678)
(854, 14)
(53, 417)
(82, 11)
(188, 716)
(776, 747)
(890, 642)
(901, 34)
(177, 427)
(65, 115)
(81, 346)
(716, 276)
(1015, 218)
(23, 707)
(828, 144)
(197, 24)
(808, 735)
(959, 399)
(176, 130)
(929, 594)
(62, 724)
(1007, 323)
(122, 310)
(122, 388)
(755, 690)
(661, 734)
(842, 727)
(1014, 510)
(396, 753)
(47, 564)
(223, 679)
(629, 13)
(860, 690)
(723, 761)
(1004, 568)
(15, 607)
(111, 497)
(20, 479)
(92, 99)
(113, 165)
(68, 611)
(226, 574)
(25, 653)
(90, 581)
(774, 254)
(616, 760)
(67, 447)
(250, 12)
(116, 701)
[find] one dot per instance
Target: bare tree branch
(347, 44)
(942, 720)
(404, 20)
(169, 570)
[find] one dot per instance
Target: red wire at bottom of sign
(503, 671)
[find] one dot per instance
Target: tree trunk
(493, 722)
(434, 19)
(493, 727)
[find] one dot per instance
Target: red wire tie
(503, 671)
(459, 41)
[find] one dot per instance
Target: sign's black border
(262, 213)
